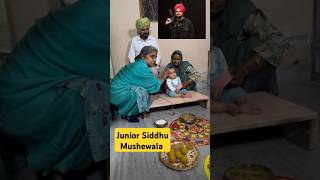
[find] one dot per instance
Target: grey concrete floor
(267, 146)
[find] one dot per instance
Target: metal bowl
(160, 123)
(187, 118)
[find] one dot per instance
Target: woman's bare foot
(248, 108)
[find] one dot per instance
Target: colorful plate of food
(182, 156)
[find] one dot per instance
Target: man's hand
(168, 21)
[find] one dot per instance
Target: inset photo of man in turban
(182, 19)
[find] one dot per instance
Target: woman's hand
(252, 65)
(164, 74)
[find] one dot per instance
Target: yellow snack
(178, 154)
(184, 160)
(171, 152)
(176, 147)
(184, 150)
(172, 158)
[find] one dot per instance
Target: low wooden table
(163, 100)
(300, 123)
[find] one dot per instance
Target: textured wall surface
(23, 14)
(4, 28)
(150, 9)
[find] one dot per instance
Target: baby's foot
(232, 109)
(248, 108)
(183, 95)
(186, 95)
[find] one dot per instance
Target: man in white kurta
(143, 39)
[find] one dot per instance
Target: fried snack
(172, 157)
(171, 152)
(184, 160)
(178, 154)
(184, 150)
(176, 147)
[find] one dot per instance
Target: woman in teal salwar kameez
(132, 85)
(54, 89)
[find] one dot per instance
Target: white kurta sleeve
(131, 54)
(159, 54)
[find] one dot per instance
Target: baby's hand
(179, 86)
(177, 91)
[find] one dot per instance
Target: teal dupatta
(48, 98)
(131, 86)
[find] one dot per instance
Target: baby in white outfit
(174, 85)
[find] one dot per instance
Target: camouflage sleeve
(194, 75)
(273, 43)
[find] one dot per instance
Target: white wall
(293, 17)
(23, 14)
(124, 13)
(4, 28)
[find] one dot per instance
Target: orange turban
(180, 6)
